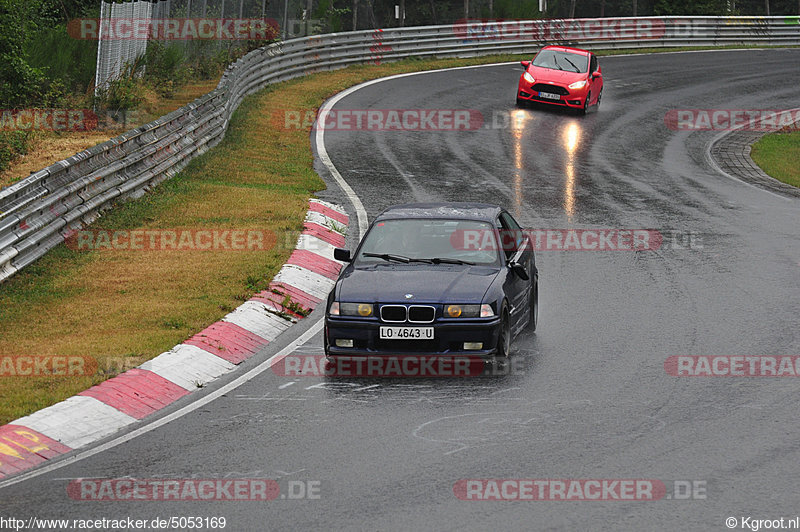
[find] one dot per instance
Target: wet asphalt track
(589, 397)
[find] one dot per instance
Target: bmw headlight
(468, 311)
(578, 85)
(363, 310)
(527, 76)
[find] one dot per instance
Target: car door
(596, 83)
(516, 248)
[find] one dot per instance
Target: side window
(594, 64)
(510, 234)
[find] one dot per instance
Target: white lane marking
(77, 421)
(309, 282)
(366, 388)
(257, 318)
(361, 213)
(188, 366)
(318, 218)
(315, 245)
(282, 386)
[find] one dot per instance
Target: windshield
(432, 241)
(560, 60)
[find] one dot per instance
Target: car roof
(449, 210)
(566, 49)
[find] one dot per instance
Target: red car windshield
(560, 60)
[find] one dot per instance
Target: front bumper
(574, 98)
(448, 338)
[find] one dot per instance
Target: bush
(164, 68)
(64, 60)
(12, 145)
(120, 94)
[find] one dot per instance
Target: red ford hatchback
(558, 75)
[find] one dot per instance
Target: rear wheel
(504, 339)
(599, 96)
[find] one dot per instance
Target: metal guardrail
(38, 213)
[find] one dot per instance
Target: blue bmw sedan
(434, 279)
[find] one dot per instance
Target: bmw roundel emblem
(409, 296)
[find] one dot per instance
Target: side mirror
(342, 255)
(519, 270)
(526, 64)
(596, 74)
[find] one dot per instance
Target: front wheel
(504, 339)
(326, 344)
(534, 306)
(585, 108)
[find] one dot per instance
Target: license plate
(406, 333)
(549, 96)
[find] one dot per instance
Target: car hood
(427, 283)
(544, 75)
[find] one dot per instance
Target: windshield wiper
(555, 60)
(578, 70)
(444, 260)
(388, 256)
(396, 258)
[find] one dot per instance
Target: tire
(325, 344)
(586, 104)
(534, 306)
(520, 102)
(504, 338)
(599, 96)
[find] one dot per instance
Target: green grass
(778, 155)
